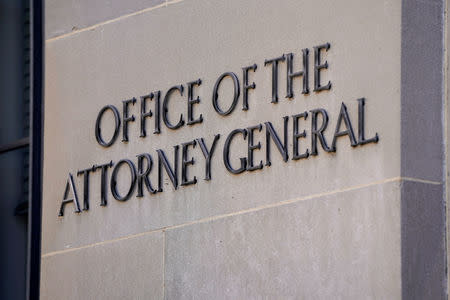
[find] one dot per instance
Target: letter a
(69, 185)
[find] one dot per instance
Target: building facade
(245, 149)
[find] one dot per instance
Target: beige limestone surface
(320, 248)
(344, 245)
(186, 40)
(147, 52)
(127, 269)
(64, 17)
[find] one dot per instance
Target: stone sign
(241, 149)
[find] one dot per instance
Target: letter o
(114, 181)
(236, 93)
(98, 134)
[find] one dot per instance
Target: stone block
(130, 268)
(340, 246)
(195, 39)
(423, 241)
(64, 16)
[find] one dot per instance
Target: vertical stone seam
(446, 140)
(164, 265)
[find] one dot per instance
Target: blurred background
(18, 231)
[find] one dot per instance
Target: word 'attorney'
(200, 151)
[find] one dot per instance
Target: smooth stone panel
(131, 268)
(157, 49)
(63, 16)
(342, 246)
(422, 128)
(424, 139)
(423, 241)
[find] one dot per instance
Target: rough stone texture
(172, 45)
(342, 246)
(423, 241)
(63, 16)
(126, 269)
